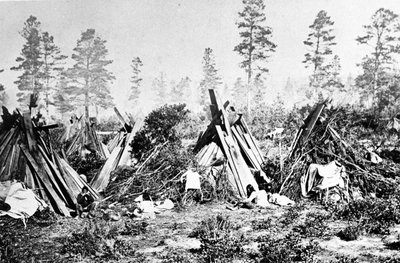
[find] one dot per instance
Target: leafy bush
(159, 127)
(178, 256)
(349, 233)
(218, 242)
(313, 226)
(263, 224)
(90, 166)
(291, 215)
(97, 239)
(287, 249)
(375, 216)
(134, 228)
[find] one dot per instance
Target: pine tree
(239, 92)
(227, 92)
(30, 62)
(259, 93)
(136, 80)
(179, 89)
(382, 36)
(53, 62)
(89, 78)
(211, 79)
(160, 87)
(319, 43)
(256, 45)
(61, 100)
(2, 92)
(334, 81)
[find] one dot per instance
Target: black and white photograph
(208, 131)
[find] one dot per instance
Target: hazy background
(170, 36)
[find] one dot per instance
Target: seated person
(258, 198)
(145, 207)
(85, 202)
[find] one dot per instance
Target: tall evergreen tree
(382, 36)
(61, 100)
(239, 92)
(211, 79)
(256, 45)
(53, 64)
(2, 92)
(30, 62)
(89, 78)
(319, 44)
(334, 81)
(136, 80)
(179, 89)
(160, 87)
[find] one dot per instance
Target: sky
(170, 35)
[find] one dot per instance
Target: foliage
(89, 78)
(256, 45)
(159, 85)
(291, 215)
(381, 35)
(319, 43)
(30, 61)
(178, 256)
(314, 225)
(349, 233)
(218, 242)
(53, 62)
(136, 80)
(264, 224)
(289, 248)
(211, 79)
(178, 90)
(135, 228)
(374, 216)
(61, 100)
(159, 127)
(89, 166)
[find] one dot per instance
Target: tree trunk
(87, 100)
(249, 72)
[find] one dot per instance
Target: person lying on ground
(85, 202)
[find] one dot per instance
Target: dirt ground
(168, 237)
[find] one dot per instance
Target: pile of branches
(161, 159)
(158, 174)
(336, 136)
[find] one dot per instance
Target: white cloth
(147, 209)
(262, 199)
(23, 202)
(319, 177)
(192, 180)
(167, 204)
(281, 200)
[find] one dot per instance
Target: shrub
(263, 224)
(313, 226)
(90, 166)
(287, 249)
(218, 242)
(349, 233)
(93, 240)
(291, 215)
(159, 127)
(375, 216)
(134, 228)
(178, 256)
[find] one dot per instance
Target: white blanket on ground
(23, 201)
